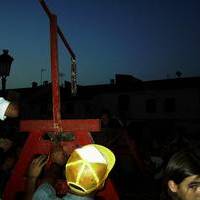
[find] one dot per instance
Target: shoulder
(70, 196)
(45, 191)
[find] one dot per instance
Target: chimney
(34, 84)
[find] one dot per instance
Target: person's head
(105, 117)
(9, 161)
(182, 176)
(88, 168)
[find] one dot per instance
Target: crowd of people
(147, 161)
(173, 174)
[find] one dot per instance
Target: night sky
(149, 39)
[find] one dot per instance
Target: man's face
(189, 188)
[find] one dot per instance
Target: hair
(182, 164)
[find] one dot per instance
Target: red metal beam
(66, 43)
(54, 74)
(49, 13)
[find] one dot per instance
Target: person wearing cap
(86, 171)
(8, 109)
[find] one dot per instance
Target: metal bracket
(62, 136)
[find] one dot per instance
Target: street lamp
(41, 73)
(5, 64)
(61, 75)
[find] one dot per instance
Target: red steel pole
(65, 42)
(54, 74)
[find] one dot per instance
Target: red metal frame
(35, 144)
(36, 129)
(54, 74)
(69, 49)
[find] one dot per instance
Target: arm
(8, 109)
(58, 159)
(33, 173)
(31, 185)
(46, 190)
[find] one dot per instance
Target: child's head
(182, 175)
(88, 167)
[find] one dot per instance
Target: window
(151, 106)
(170, 105)
(123, 102)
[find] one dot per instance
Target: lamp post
(41, 73)
(61, 75)
(5, 64)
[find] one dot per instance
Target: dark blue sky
(149, 39)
